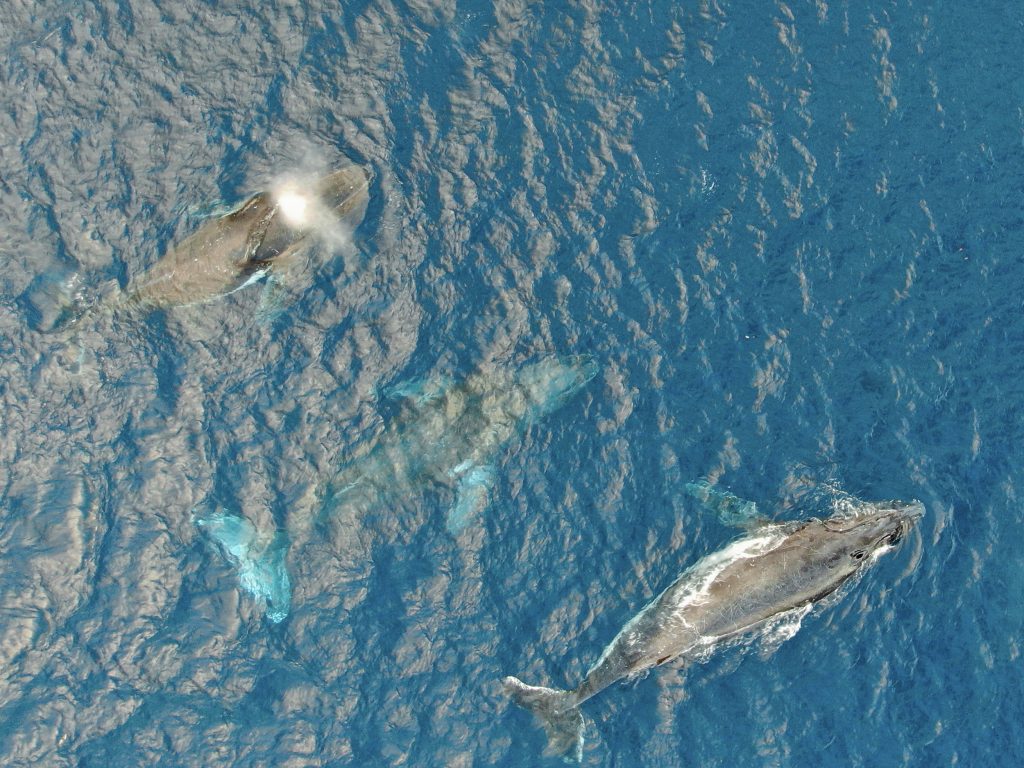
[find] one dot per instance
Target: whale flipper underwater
(448, 436)
(262, 239)
(773, 573)
(259, 559)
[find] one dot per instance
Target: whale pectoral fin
(416, 393)
(246, 209)
(274, 298)
(212, 209)
(282, 285)
(259, 558)
(731, 509)
(472, 495)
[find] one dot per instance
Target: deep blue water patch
(790, 236)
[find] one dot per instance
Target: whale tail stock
(557, 712)
(259, 558)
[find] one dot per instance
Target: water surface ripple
(789, 234)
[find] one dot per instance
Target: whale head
(874, 527)
(344, 194)
(550, 382)
(329, 207)
(822, 555)
(834, 549)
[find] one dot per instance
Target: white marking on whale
(763, 583)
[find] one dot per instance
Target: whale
(770, 577)
(447, 437)
(265, 238)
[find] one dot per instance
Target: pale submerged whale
(265, 237)
(448, 436)
(773, 574)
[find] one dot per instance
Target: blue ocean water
(790, 234)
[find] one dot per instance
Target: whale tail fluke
(557, 712)
(56, 305)
(259, 558)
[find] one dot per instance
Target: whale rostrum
(774, 573)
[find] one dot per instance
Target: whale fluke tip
(557, 712)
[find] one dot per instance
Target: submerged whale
(263, 238)
(774, 573)
(448, 436)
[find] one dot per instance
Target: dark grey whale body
(774, 571)
(227, 253)
(265, 237)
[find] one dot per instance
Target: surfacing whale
(447, 435)
(774, 573)
(265, 237)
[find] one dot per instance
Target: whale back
(212, 261)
